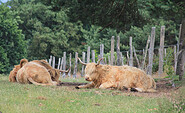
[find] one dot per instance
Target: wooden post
(151, 51)
(109, 59)
(69, 73)
(131, 53)
(50, 59)
(118, 51)
(175, 58)
(75, 67)
(145, 54)
(165, 52)
(101, 53)
(105, 60)
(53, 62)
(128, 58)
(83, 58)
(162, 35)
(137, 60)
(93, 56)
(122, 62)
(64, 64)
(59, 63)
(181, 53)
(112, 51)
(88, 54)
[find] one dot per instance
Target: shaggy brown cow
(54, 73)
(106, 76)
(13, 73)
(32, 72)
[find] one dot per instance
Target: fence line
(140, 62)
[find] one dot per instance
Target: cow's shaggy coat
(34, 73)
(106, 76)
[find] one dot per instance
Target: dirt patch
(164, 88)
(70, 84)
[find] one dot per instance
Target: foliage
(12, 44)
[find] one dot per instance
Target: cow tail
(33, 82)
(23, 62)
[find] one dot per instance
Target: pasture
(24, 98)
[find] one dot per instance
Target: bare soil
(164, 88)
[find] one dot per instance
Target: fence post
(53, 62)
(105, 60)
(50, 59)
(128, 58)
(88, 54)
(83, 58)
(64, 64)
(118, 51)
(109, 59)
(145, 54)
(122, 60)
(101, 53)
(151, 50)
(131, 53)
(69, 73)
(61, 64)
(112, 51)
(93, 56)
(75, 67)
(136, 58)
(162, 35)
(175, 58)
(58, 67)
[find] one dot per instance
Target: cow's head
(55, 73)
(91, 70)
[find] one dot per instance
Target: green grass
(28, 98)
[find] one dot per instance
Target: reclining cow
(54, 73)
(33, 72)
(106, 76)
(13, 73)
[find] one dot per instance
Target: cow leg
(106, 85)
(91, 85)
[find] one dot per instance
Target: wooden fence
(130, 56)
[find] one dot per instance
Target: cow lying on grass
(54, 73)
(106, 76)
(13, 73)
(33, 72)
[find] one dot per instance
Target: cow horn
(99, 61)
(65, 70)
(81, 61)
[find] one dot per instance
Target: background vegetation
(35, 29)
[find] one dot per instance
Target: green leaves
(12, 43)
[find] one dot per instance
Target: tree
(12, 44)
(181, 56)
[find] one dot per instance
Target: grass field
(28, 98)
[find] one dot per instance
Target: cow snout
(87, 78)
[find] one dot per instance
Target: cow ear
(49, 70)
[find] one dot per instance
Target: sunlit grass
(28, 98)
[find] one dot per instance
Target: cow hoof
(77, 87)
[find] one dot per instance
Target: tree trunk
(181, 56)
